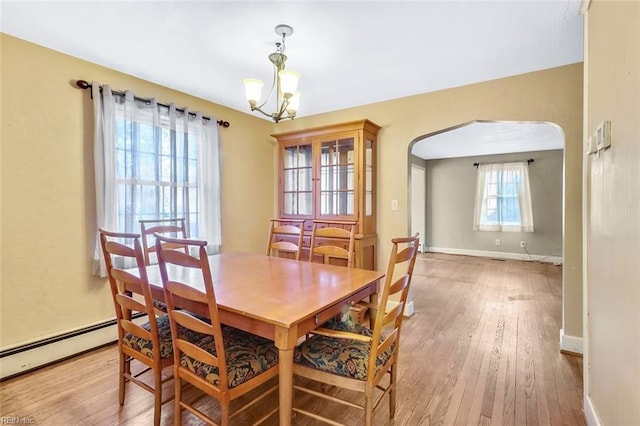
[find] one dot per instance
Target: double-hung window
(156, 174)
(154, 162)
(503, 198)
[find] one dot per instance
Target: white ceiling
(349, 53)
(488, 138)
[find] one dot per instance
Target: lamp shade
(294, 103)
(253, 89)
(288, 81)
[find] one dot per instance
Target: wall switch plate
(606, 134)
(394, 205)
(591, 145)
(603, 135)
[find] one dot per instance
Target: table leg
(285, 340)
(286, 385)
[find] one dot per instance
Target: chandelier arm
(258, 108)
(273, 84)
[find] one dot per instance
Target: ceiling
(349, 53)
(489, 138)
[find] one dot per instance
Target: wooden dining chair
(149, 343)
(333, 242)
(170, 227)
(352, 356)
(285, 238)
(225, 363)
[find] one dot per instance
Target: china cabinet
(329, 173)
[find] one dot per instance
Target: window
(154, 162)
(503, 198)
(156, 175)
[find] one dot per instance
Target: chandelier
(284, 83)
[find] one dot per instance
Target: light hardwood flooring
(482, 348)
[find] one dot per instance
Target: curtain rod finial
(82, 84)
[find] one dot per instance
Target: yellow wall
(48, 213)
(48, 201)
(612, 360)
(553, 95)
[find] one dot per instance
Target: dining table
(279, 299)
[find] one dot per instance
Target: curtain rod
(83, 84)
(529, 161)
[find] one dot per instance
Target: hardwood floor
(482, 348)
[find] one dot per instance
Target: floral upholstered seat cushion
(348, 324)
(145, 346)
(341, 356)
(247, 355)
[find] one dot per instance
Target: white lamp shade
(294, 102)
(253, 89)
(288, 81)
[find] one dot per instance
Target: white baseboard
(556, 260)
(28, 357)
(409, 309)
(590, 414)
(570, 343)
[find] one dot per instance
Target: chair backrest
(331, 240)
(117, 253)
(169, 227)
(285, 238)
(172, 264)
(386, 330)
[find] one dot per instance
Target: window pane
(147, 167)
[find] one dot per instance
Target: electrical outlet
(497, 241)
(523, 244)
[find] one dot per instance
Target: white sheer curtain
(154, 162)
(503, 198)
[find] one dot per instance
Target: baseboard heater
(41, 353)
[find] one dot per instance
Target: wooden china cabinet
(329, 173)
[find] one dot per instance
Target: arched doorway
(453, 152)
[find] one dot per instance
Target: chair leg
(368, 406)
(177, 420)
(392, 393)
(157, 392)
(121, 381)
(224, 415)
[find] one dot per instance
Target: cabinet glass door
(337, 177)
(297, 174)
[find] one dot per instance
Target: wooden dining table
(280, 299)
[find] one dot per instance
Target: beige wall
(612, 360)
(48, 202)
(451, 196)
(553, 95)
